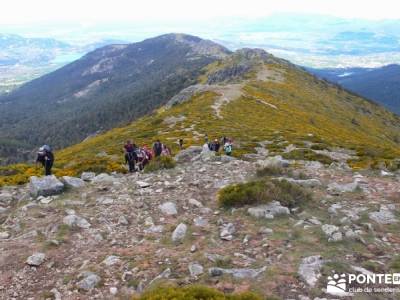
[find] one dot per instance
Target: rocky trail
(111, 236)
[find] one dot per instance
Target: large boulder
(188, 154)
(384, 216)
(227, 232)
(237, 273)
(89, 281)
(332, 232)
(104, 178)
(268, 211)
(310, 269)
(179, 233)
(76, 221)
(168, 208)
(88, 176)
(274, 161)
(336, 188)
(309, 183)
(73, 182)
(195, 269)
(36, 259)
(45, 186)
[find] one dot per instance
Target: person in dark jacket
(130, 155)
(46, 157)
(157, 148)
(215, 146)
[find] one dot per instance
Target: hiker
(130, 155)
(228, 147)
(215, 146)
(165, 150)
(206, 148)
(157, 148)
(46, 158)
(181, 144)
(142, 158)
(149, 153)
(206, 138)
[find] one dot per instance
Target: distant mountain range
(381, 85)
(108, 87)
(23, 59)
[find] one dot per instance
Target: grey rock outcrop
(309, 269)
(73, 182)
(188, 154)
(227, 232)
(195, 269)
(336, 188)
(383, 216)
(237, 273)
(88, 176)
(332, 232)
(268, 211)
(45, 186)
(36, 259)
(90, 281)
(76, 221)
(168, 208)
(179, 233)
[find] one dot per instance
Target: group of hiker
(141, 156)
(138, 157)
(215, 145)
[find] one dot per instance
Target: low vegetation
(160, 163)
(193, 293)
(307, 154)
(262, 192)
(271, 171)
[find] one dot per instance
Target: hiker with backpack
(215, 146)
(228, 147)
(46, 157)
(142, 158)
(130, 155)
(157, 148)
(166, 151)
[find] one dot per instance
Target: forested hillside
(108, 87)
(378, 84)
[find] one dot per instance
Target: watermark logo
(337, 284)
(366, 282)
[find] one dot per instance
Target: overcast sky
(18, 12)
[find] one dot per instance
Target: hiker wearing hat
(46, 157)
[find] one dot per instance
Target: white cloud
(93, 11)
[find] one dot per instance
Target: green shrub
(307, 154)
(270, 171)
(262, 192)
(193, 293)
(318, 147)
(160, 163)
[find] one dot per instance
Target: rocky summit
(113, 237)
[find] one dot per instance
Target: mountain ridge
(109, 86)
(252, 97)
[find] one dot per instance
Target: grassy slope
(304, 104)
